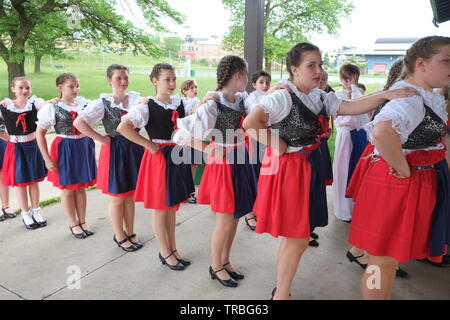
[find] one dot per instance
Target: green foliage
(42, 25)
(286, 22)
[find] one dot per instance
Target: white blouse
(279, 103)
(28, 106)
(139, 115)
(189, 103)
(95, 110)
(253, 99)
(200, 124)
(351, 122)
(47, 117)
(407, 113)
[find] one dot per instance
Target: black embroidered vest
(301, 127)
(162, 122)
(428, 133)
(111, 119)
(228, 119)
(20, 124)
(64, 121)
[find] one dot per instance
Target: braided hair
(395, 74)
(228, 66)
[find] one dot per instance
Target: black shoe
(253, 228)
(192, 199)
(231, 283)
(2, 218)
(352, 258)
(273, 293)
(177, 267)
(313, 243)
(401, 273)
(314, 236)
(81, 235)
(131, 248)
(11, 215)
(183, 261)
(32, 226)
(444, 264)
(138, 243)
(88, 232)
(236, 275)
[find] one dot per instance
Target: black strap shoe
(88, 232)
(138, 243)
(352, 258)
(9, 215)
(231, 283)
(253, 228)
(401, 273)
(315, 236)
(236, 275)
(81, 235)
(177, 267)
(131, 248)
(313, 243)
(183, 261)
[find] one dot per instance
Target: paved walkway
(42, 264)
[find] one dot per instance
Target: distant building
(204, 48)
(382, 56)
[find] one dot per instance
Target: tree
(172, 45)
(285, 23)
(98, 22)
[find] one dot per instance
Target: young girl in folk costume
(229, 180)
(261, 83)
(120, 158)
(354, 254)
(4, 190)
(162, 182)
(23, 165)
(401, 191)
(71, 161)
(291, 198)
(350, 142)
(189, 89)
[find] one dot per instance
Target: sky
(371, 19)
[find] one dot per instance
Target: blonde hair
(15, 79)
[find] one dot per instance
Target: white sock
(26, 216)
(37, 214)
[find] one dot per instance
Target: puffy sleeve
(138, 115)
(405, 114)
(198, 125)
(332, 103)
(38, 101)
(277, 105)
(93, 113)
(46, 117)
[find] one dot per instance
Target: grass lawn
(91, 69)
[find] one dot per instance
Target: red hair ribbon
(21, 118)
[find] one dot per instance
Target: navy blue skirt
(359, 142)
(3, 145)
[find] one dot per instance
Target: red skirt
(392, 216)
(279, 212)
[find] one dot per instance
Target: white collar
(174, 104)
(11, 106)
(314, 95)
(238, 97)
(132, 97)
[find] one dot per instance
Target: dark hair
(227, 67)
(348, 69)
(261, 73)
(186, 85)
(295, 55)
(157, 68)
(423, 48)
(63, 77)
(112, 68)
(394, 74)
